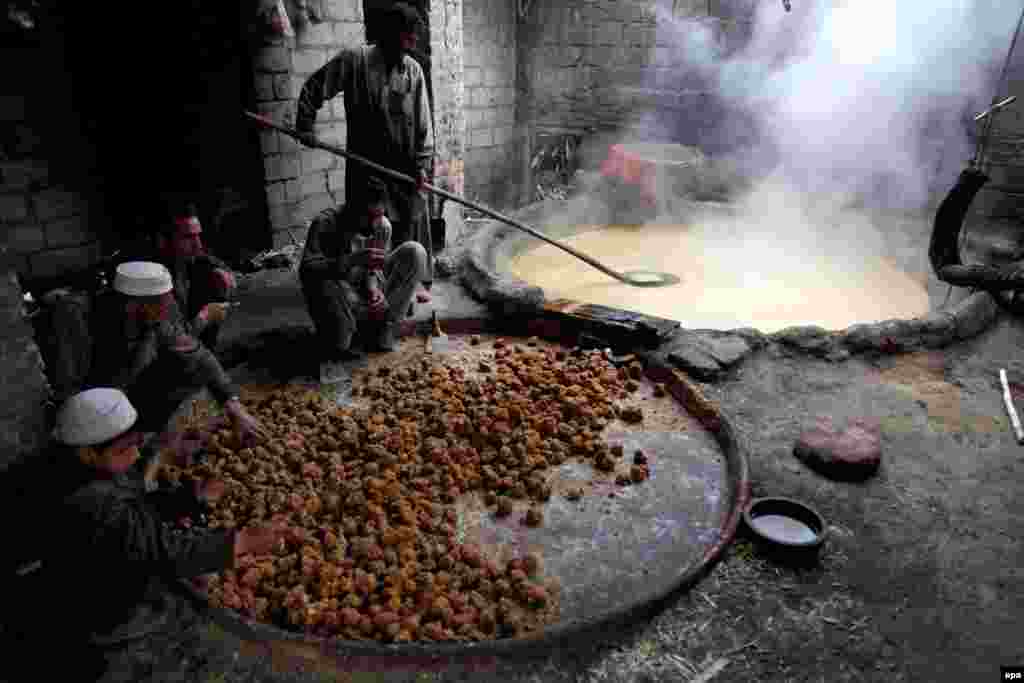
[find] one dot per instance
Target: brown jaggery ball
(636, 371)
(534, 517)
(659, 390)
(604, 463)
(631, 385)
(632, 414)
(505, 507)
(617, 450)
(475, 340)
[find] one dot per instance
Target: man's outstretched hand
(247, 428)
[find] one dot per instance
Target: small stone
(475, 340)
(852, 453)
(727, 350)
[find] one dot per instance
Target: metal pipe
(996, 107)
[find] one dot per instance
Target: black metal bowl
(786, 529)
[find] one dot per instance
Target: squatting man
(352, 279)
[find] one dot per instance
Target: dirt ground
(921, 578)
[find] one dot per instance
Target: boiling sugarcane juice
(757, 281)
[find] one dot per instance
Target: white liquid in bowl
(782, 528)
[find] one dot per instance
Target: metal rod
(313, 142)
(979, 159)
(996, 107)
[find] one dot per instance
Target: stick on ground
(1008, 400)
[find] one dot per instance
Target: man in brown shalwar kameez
(387, 112)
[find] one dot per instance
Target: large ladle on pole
(636, 278)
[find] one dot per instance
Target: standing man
(387, 110)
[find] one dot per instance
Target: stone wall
(23, 414)
(44, 219)
(301, 182)
(492, 141)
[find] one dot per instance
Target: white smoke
(863, 98)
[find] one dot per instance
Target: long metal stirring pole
(645, 279)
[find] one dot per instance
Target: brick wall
(45, 223)
(598, 65)
(301, 182)
(448, 75)
(493, 144)
(23, 416)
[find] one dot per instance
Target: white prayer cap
(94, 416)
(143, 278)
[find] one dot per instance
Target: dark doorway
(161, 93)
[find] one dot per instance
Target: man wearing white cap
(105, 547)
(142, 346)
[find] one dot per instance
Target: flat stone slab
(849, 452)
(706, 355)
(696, 362)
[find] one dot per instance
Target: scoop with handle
(636, 278)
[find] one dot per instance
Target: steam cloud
(835, 114)
(863, 98)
